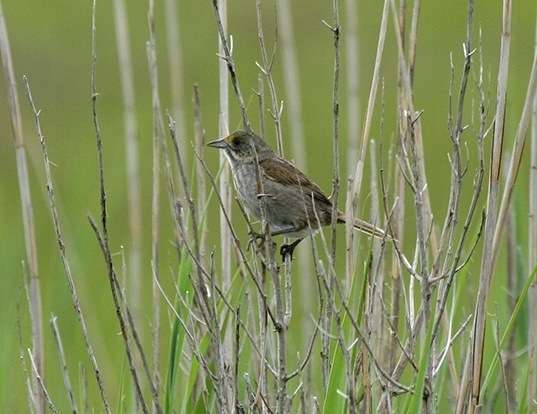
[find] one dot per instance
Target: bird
(294, 205)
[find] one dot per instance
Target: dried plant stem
(207, 304)
(493, 234)
(158, 132)
(398, 218)
(508, 364)
(491, 211)
(413, 39)
(532, 262)
(63, 252)
(355, 182)
(27, 213)
(225, 186)
(63, 364)
(291, 79)
(352, 69)
(266, 66)
(175, 63)
(130, 125)
(219, 7)
(200, 173)
(336, 30)
(102, 235)
(41, 383)
(407, 105)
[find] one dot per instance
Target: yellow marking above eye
(232, 139)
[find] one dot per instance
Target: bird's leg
(288, 249)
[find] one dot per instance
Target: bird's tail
(365, 227)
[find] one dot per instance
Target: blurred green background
(50, 42)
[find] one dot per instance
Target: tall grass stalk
(27, 214)
(130, 125)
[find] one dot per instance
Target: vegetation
(156, 308)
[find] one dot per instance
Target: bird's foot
(255, 238)
(288, 249)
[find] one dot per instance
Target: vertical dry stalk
(63, 252)
(130, 125)
(492, 206)
(63, 364)
(158, 130)
(291, 80)
(398, 218)
(205, 281)
(355, 182)
(413, 39)
(532, 262)
(508, 362)
(175, 62)
(225, 186)
(41, 384)
(407, 105)
(262, 388)
(27, 211)
(200, 173)
(336, 29)
(352, 69)
(103, 237)
(266, 67)
(220, 13)
(377, 265)
(493, 238)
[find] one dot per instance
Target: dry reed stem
(130, 125)
(509, 368)
(493, 234)
(205, 280)
(352, 71)
(219, 7)
(407, 106)
(63, 364)
(41, 384)
(201, 187)
(291, 82)
(225, 186)
(355, 182)
(474, 377)
(266, 66)
(158, 132)
(175, 63)
(26, 210)
(102, 234)
(63, 251)
(532, 262)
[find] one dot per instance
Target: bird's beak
(218, 143)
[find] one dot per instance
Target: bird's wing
(282, 171)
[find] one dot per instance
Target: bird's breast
(244, 179)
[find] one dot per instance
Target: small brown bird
(290, 196)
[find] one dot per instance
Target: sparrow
(294, 205)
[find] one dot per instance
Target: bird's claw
(256, 238)
(287, 250)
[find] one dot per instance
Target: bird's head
(242, 146)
